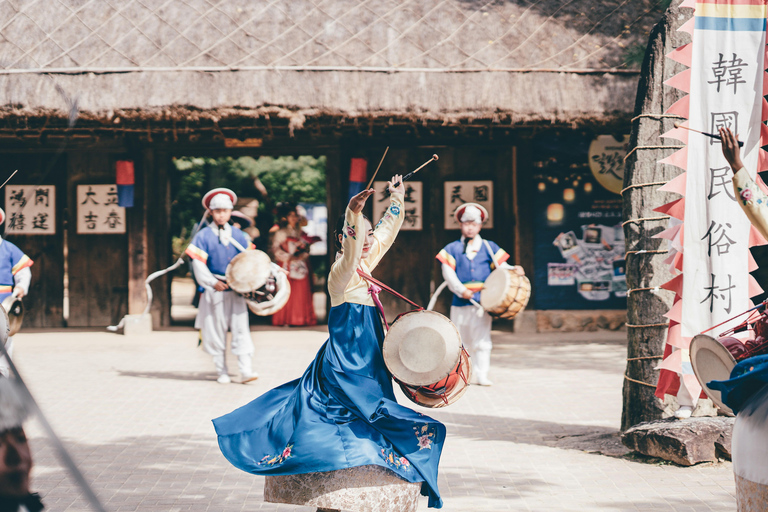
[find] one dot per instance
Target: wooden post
(137, 236)
(647, 270)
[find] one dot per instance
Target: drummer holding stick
(466, 264)
(220, 309)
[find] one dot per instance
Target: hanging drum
(263, 284)
(15, 310)
(423, 352)
(505, 293)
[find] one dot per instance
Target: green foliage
(286, 178)
(634, 55)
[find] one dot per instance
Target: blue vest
(219, 255)
(472, 273)
(12, 260)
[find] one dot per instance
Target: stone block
(685, 442)
(525, 322)
(361, 489)
(579, 320)
(137, 325)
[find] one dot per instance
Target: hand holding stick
(410, 174)
(717, 137)
(731, 150)
(357, 203)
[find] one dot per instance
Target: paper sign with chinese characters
(97, 210)
(30, 209)
(413, 206)
(460, 192)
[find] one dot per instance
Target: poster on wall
(579, 241)
(460, 192)
(413, 206)
(97, 210)
(30, 209)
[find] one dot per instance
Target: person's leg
(242, 344)
(483, 346)
(214, 331)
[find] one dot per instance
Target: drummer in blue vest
(15, 277)
(466, 263)
(220, 308)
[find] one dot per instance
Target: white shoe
(484, 381)
(223, 379)
(684, 412)
(248, 377)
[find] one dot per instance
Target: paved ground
(135, 412)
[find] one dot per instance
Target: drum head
(455, 388)
(711, 361)
(248, 271)
(422, 347)
(495, 288)
(15, 312)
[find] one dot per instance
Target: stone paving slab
(135, 413)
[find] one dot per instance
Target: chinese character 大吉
(90, 220)
(89, 196)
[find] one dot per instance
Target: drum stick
(408, 176)
(9, 178)
(377, 169)
(712, 135)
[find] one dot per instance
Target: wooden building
(85, 84)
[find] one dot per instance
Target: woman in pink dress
(291, 252)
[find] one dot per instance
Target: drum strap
(386, 288)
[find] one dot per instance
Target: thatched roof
(514, 60)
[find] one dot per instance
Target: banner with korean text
(710, 235)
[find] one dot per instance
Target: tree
(646, 269)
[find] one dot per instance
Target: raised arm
(387, 228)
(749, 195)
(353, 240)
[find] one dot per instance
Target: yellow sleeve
(353, 239)
(752, 200)
(386, 230)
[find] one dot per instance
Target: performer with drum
(466, 264)
(221, 309)
(342, 413)
(15, 277)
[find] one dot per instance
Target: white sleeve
(454, 284)
(22, 279)
(203, 275)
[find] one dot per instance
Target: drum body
(505, 293)
(444, 392)
(421, 348)
(265, 287)
(15, 310)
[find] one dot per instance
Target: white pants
(474, 326)
(5, 369)
(218, 313)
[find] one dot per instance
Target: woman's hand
(731, 150)
(396, 184)
(357, 203)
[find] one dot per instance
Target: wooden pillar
(137, 234)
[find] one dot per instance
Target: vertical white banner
(726, 88)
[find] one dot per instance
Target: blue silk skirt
(341, 413)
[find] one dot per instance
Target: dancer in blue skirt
(342, 412)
